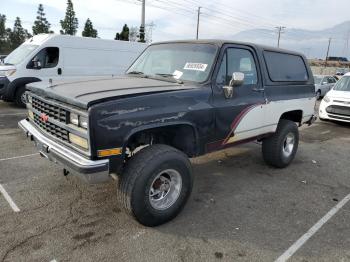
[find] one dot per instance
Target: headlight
(83, 122)
(326, 99)
(7, 72)
(74, 119)
(82, 142)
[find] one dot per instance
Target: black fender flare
(160, 125)
(12, 86)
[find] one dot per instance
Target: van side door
(239, 117)
(46, 64)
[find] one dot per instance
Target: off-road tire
(138, 176)
(272, 147)
(18, 96)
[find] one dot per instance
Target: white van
(61, 58)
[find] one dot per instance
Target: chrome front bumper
(89, 170)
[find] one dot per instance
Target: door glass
(237, 60)
(48, 57)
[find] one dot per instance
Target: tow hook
(65, 172)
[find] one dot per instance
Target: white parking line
(54, 260)
(302, 240)
(9, 199)
(15, 157)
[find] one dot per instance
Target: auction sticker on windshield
(195, 66)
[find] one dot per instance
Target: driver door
(241, 116)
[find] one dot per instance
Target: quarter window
(237, 60)
(284, 67)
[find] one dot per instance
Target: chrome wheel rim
(165, 189)
(288, 144)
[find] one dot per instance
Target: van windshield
(19, 54)
(181, 61)
(343, 84)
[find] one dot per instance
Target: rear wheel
(20, 98)
(155, 185)
(279, 150)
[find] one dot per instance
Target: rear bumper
(89, 170)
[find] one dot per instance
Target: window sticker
(177, 74)
(195, 66)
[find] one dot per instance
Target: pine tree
(41, 25)
(70, 23)
(124, 34)
(18, 34)
(89, 30)
(3, 35)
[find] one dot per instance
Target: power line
(280, 31)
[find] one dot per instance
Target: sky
(176, 19)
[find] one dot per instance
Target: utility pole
(280, 31)
(199, 12)
(143, 21)
(329, 44)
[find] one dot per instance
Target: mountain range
(312, 43)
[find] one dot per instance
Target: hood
(6, 67)
(339, 94)
(87, 92)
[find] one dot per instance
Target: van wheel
(155, 184)
(279, 150)
(20, 98)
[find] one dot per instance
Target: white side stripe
(9, 199)
(301, 241)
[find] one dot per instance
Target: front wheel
(20, 98)
(155, 185)
(279, 150)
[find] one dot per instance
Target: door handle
(59, 71)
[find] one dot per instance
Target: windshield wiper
(136, 73)
(171, 76)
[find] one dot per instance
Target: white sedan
(336, 104)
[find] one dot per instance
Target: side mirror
(236, 80)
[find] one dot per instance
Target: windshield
(318, 79)
(191, 62)
(343, 84)
(19, 54)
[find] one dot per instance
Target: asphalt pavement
(240, 209)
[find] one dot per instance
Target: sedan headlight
(326, 99)
(7, 72)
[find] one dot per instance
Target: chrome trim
(62, 155)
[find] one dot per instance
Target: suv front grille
(52, 111)
(338, 110)
(52, 129)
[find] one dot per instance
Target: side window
(284, 67)
(237, 60)
(48, 58)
